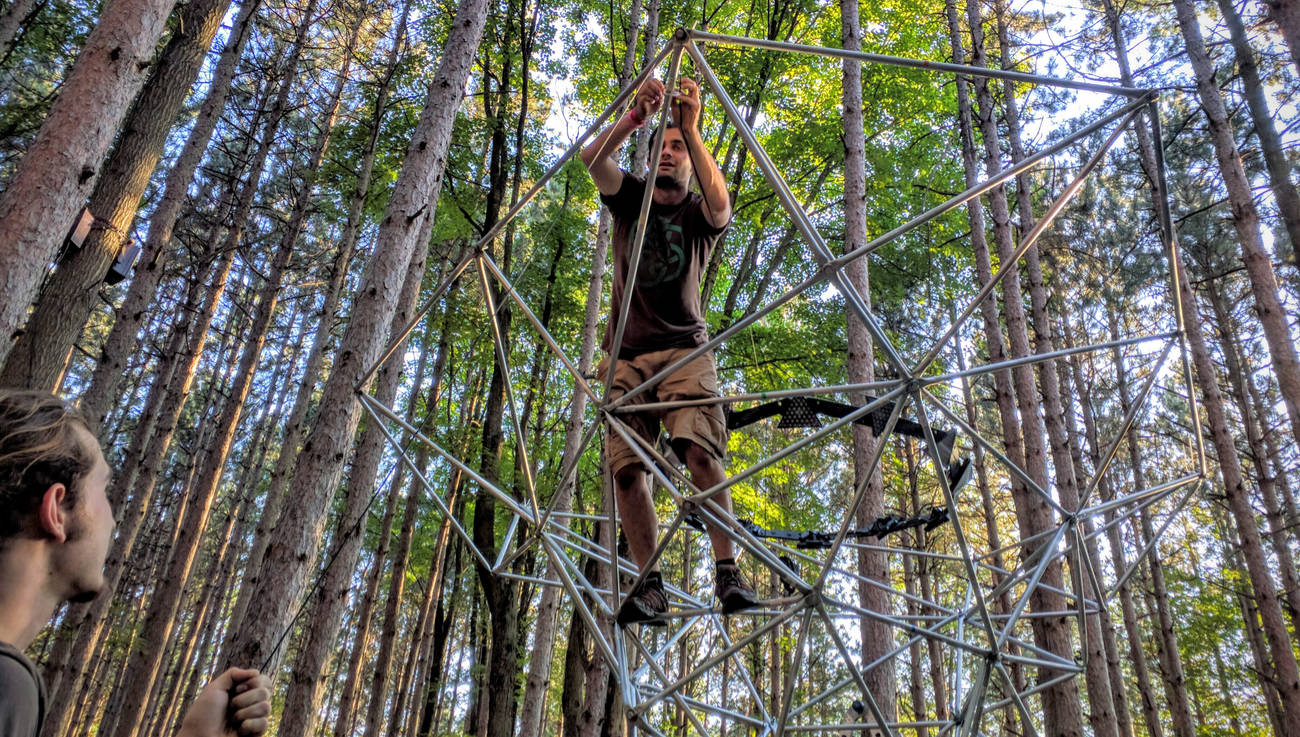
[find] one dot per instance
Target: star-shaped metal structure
(971, 610)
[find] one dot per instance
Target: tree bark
(106, 379)
(877, 637)
(1279, 169)
(292, 554)
(1286, 14)
(38, 358)
(1245, 221)
(40, 203)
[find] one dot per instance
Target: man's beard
(666, 182)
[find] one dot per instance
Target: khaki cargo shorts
(702, 424)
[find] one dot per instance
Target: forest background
(294, 178)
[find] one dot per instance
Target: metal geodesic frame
(982, 644)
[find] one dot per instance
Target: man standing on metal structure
(56, 526)
(665, 322)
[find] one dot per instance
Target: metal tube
(1151, 544)
(541, 329)
(1039, 570)
(859, 494)
(1127, 424)
(1174, 252)
(881, 721)
(753, 396)
(1043, 357)
(1013, 263)
(981, 187)
(503, 365)
(899, 61)
(1159, 490)
(992, 449)
(486, 485)
(638, 237)
(856, 302)
(369, 403)
(739, 645)
(455, 273)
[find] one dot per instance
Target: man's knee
(695, 455)
(629, 477)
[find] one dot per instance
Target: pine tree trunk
(1237, 377)
(1279, 169)
(38, 358)
(540, 660)
(877, 637)
(1245, 221)
(12, 19)
(40, 203)
(172, 395)
(350, 698)
(106, 379)
(1286, 14)
(1169, 652)
(144, 661)
(291, 556)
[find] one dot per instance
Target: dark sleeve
(626, 203)
(20, 700)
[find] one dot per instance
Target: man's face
(674, 170)
(90, 530)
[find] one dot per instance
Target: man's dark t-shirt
(665, 310)
(22, 695)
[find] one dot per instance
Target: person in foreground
(56, 526)
(665, 322)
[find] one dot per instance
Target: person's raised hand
(237, 702)
(648, 99)
(686, 105)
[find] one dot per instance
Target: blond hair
(39, 447)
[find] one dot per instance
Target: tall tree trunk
(1286, 14)
(301, 702)
(292, 554)
(12, 19)
(38, 358)
(106, 379)
(1237, 375)
(1102, 713)
(1245, 221)
(144, 660)
(40, 203)
(877, 636)
(1287, 674)
(350, 698)
(540, 660)
(1279, 169)
(1169, 652)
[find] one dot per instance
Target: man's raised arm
(686, 112)
(600, 155)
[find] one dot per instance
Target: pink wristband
(635, 116)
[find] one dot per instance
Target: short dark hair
(39, 447)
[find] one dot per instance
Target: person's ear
(52, 515)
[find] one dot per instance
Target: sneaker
(959, 474)
(646, 605)
(732, 590)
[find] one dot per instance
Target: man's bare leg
(707, 472)
(731, 588)
(640, 524)
(637, 515)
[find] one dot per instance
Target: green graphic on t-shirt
(663, 259)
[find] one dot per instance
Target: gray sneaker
(732, 590)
